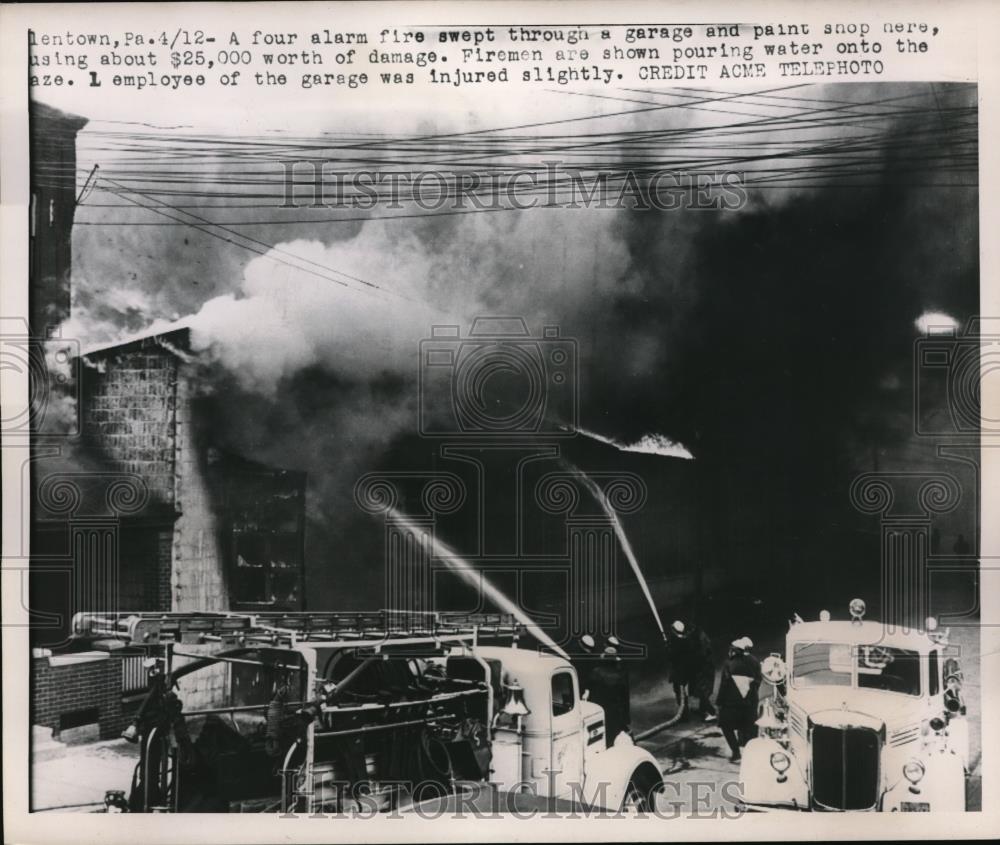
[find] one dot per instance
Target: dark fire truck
(347, 712)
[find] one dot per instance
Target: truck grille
(904, 736)
(845, 768)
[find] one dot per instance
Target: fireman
(702, 673)
(584, 660)
(609, 687)
(689, 653)
(737, 698)
(681, 659)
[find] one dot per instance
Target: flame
(648, 444)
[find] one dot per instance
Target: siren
(934, 630)
(773, 669)
(857, 608)
(514, 705)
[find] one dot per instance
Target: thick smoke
(292, 313)
(774, 342)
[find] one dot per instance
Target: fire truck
(862, 717)
(349, 712)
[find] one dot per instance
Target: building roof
(41, 112)
(175, 338)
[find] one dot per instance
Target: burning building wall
(237, 526)
(158, 520)
(213, 531)
(134, 508)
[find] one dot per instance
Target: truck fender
(760, 782)
(942, 787)
(958, 738)
(609, 773)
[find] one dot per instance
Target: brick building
(53, 185)
(153, 517)
(234, 528)
(141, 511)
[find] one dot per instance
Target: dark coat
(680, 657)
(734, 708)
(690, 659)
(704, 669)
(609, 687)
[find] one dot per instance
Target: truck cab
(551, 740)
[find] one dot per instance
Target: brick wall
(199, 581)
(129, 416)
(129, 420)
(139, 414)
(63, 684)
(70, 683)
(164, 569)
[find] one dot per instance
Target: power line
(257, 246)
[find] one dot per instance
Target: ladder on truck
(281, 629)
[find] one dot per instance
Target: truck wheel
(640, 794)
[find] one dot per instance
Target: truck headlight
(780, 763)
(913, 771)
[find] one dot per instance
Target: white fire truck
(340, 712)
(863, 717)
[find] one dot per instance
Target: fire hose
(673, 720)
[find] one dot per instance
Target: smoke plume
(763, 339)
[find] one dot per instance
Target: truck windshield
(821, 664)
(879, 667)
(890, 669)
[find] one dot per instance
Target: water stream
(479, 581)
